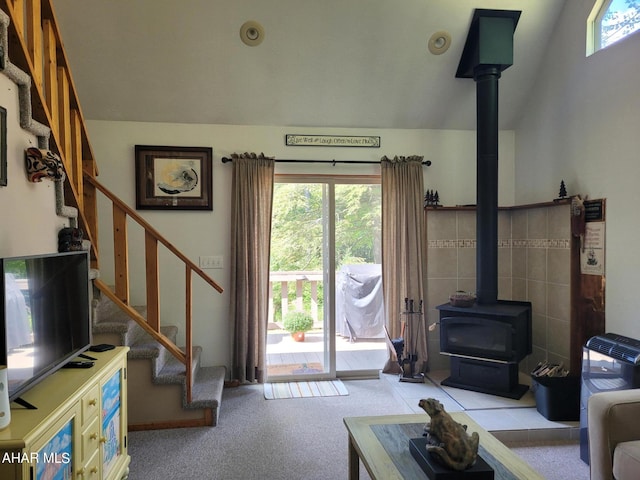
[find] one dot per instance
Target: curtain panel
(404, 250)
(251, 207)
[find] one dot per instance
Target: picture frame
(3, 147)
(173, 178)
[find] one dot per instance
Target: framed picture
(173, 178)
(3, 147)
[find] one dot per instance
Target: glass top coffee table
(382, 444)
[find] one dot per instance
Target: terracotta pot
(298, 336)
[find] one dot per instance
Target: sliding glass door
(325, 279)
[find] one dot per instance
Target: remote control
(102, 347)
(78, 364)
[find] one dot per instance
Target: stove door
(477, 337)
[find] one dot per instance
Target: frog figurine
(448, 441)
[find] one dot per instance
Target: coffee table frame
(365, 446)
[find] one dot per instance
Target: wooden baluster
(50, 73)
(188, 332)
(121, 254)
(90, 202)
(284, 300)
(64, 109)
(18, 11)
(153, 281)
(314, 300)
(34, 39)
(299, 305)
(75, 155)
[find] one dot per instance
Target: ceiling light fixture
(251, 33)
(439, 42)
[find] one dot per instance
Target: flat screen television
(45, 315)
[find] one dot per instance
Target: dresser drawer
(90, 470)
(90, 440)
(90, 404)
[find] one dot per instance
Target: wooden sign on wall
(587, 281)
(294, 140)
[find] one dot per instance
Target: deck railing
(296, 300)
(35, 46)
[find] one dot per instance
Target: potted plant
(297, 323)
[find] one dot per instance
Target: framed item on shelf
(173, 178)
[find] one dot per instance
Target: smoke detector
(251, 33)
(439, 42)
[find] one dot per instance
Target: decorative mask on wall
(41, 163)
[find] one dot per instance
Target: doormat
(324, 388)
(293, 368)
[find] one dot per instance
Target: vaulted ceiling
(329, 63)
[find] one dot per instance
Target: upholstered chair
(614, 435)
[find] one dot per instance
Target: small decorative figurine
(563, 190)
(448, 441)
(41, 163)
(431, 198)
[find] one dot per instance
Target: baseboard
(208, 420)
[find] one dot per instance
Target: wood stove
(486, 341)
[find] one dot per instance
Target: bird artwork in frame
(173, 178)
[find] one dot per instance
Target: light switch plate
(211, 261)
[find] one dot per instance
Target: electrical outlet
(211, 261)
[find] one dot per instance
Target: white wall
(582, 125)
(199, 233)
(28, 222)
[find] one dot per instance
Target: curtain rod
(333, 162)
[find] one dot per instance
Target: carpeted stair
(156, 380)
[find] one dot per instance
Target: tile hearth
(507, 419)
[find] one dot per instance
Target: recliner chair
(614, 435)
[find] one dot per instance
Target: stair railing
(35, 46)
(120, 294)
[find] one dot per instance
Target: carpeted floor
(291, 439)
(554, 460)
(326, 388)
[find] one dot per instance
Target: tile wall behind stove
(534, 264)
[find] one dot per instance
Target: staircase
(167, 387)
(155, 374)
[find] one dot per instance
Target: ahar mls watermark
(35, 457)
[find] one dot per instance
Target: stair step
(163, 371)
(173, 370)
(147, 347)
(207, 388)
(109, 319)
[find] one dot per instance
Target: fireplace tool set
(411, 325)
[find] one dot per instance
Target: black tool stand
(411, 333)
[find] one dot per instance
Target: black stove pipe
(486, 78)
(487, 51)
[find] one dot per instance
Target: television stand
(79, 429)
